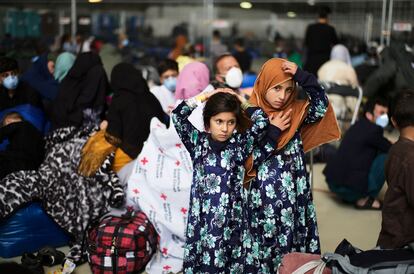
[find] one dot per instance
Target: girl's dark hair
(225, 102)
(402, 109)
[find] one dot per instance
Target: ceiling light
(84, 21)
(291, 14)
(94, 1)
(311, 2)
(246, 5)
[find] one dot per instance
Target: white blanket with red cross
(160, 186)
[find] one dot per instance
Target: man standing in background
(319, 39)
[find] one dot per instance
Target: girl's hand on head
(228, 90)
(208, 94)
(289, 67)
(241, 98)
(281, 120)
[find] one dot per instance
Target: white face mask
(234, 77)
(11, 82)
(382, 120)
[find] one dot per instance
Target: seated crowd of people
(77, 139)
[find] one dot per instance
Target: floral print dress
(215, 228)
(281, 212)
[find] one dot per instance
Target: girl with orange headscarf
(281, 213)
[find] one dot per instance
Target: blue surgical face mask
(69, 47)
(11, 82)
(170, 83)
(382, 120)
(125, 42)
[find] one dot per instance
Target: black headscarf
(84, 87)
(132, 108)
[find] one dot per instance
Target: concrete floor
(336, 221)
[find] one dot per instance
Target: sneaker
(50, 256)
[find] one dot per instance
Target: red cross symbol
(144, 161)
(184, 210)
(136, 191)
(163, 196)
(178, 145)
(164, 251)
(177, 163)
(166, 267)
(130, 208)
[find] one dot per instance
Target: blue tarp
(28, 230)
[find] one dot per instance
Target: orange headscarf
(313, 135)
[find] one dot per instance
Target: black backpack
(350, 260)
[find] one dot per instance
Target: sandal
(49, 256)
(32, 262)
(369, 204)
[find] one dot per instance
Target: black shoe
(49, 256)
(32, 262)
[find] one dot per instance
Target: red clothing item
(398, 211)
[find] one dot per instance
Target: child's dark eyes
(219, 122)
(6, 74)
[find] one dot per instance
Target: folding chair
(343, 118)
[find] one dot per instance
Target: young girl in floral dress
(216, 220)
(280, 208)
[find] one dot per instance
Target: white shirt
(165, 97)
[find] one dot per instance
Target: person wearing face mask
(227, 73)
(356, 172)
(165, 93)
(14, 92)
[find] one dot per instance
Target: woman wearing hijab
(129, 116)
(338, 69)
(40, 78)
(192, 80)
(280, 208)
(64, 63)
(81, 97)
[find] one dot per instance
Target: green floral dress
(281, 213)
(216, 220)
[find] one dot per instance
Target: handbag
(121, 245)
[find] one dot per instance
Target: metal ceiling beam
(184, 1)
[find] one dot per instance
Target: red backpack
(121, 245)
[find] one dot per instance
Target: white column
(389, 22)
(368, 27)
(61, 14)
(73, 20)
(122, 21)
(209, 17)
(384, 11)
